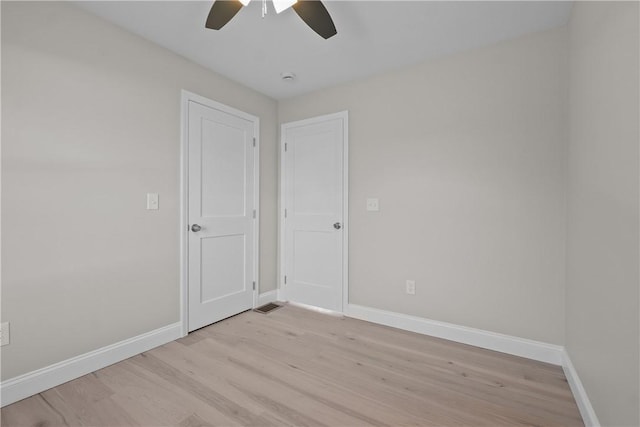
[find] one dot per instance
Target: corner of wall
(579, 393)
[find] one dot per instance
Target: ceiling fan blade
(316, 16)
(221, 12)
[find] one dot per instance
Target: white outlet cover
(5, 337)
(411, 287)
(373, 205)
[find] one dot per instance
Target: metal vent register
(267, 308)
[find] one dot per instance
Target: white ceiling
(373, 36)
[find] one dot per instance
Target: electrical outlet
(411, 287)
(4, 334)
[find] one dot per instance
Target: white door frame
(344, 115)
(187, 97)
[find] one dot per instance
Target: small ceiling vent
(287, 76)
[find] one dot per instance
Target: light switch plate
(153, 201)
(373, 205)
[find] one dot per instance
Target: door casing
(185, 98)
(344, 115)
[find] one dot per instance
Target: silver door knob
(337, 226)
(195, 228)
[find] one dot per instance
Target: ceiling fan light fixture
(312, 12)
(280, 5)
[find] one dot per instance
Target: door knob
(195, 228)
(337, 226)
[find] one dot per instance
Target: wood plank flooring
(294, 367)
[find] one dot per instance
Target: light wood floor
(294, 367)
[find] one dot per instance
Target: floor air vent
(267, 308)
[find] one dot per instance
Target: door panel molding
(344, 116)
(186, 98)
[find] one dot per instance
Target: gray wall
(467, 157)
(90, 124)
(602, 258)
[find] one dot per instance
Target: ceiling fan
(312, 12)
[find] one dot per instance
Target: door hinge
(254, 214)
(285, 280)
(254, 142)
(285, 146)
(254, 286)
(285, 213)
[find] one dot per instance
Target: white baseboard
(267, 297)
(316, 309)
(530, 349)
(45, 378)
(579, 393)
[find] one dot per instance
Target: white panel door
(314, 237)
(220, 214)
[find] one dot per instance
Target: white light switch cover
(373, 205)
(153, 201)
